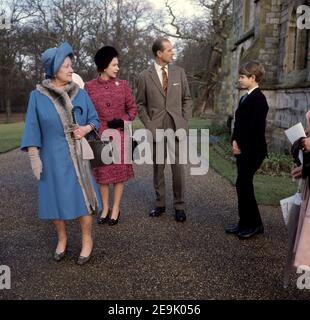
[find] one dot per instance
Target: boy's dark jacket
(250, 125)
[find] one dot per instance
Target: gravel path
(142, 257)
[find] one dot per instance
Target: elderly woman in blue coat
(59, 115)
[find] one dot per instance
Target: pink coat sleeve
(130, 105)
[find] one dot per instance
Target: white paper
(286, 205)
(298, 199)
(295, 132)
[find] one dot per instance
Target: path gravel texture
(142, 257)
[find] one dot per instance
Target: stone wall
(290, 108)
(287, 92)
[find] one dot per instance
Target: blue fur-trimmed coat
(61, 196)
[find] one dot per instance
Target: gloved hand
(36, 163)
(116, 123)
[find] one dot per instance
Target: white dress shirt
(250, 91)
(159, 71)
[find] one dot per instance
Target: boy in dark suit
(250, 148)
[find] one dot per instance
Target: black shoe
(102, 220)
(59, 256)
(233, 229)
(82, 260)
(113, 222)
(250, 232)
(180, 215)
(157, 211)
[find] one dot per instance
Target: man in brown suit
(164, 102)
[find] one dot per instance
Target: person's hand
(235, 148)
(116, 123)
(305, 145)
(35, 161)
(296, 172)
(82, 131)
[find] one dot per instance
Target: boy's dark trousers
(249, 216)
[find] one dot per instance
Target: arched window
(302, 49)
(241, 54)
(248, 15)
(291, 43)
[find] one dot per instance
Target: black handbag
(97, 146)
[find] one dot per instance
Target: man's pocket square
(176, 84)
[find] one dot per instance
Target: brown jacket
(152, 103)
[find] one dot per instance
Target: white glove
(36, 163)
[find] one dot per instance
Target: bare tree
(86, 25)
(11, 59)
(125, 25)
(220, 14)
(210, 32)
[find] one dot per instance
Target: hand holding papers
(295, 132)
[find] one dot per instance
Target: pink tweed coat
(112, 99)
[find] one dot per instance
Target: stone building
(266, 30)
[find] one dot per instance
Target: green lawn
(10, 135)
(269, 190)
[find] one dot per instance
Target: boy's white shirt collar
(250, 91)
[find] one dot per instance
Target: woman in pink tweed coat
(115, 104)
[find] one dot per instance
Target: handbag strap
(98, 135)
(96, 132)
(93, 135)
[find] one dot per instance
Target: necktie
(165, 80)
(243, 98)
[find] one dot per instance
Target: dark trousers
(249, 215)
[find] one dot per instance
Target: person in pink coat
(302, 239)
(114, 102)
